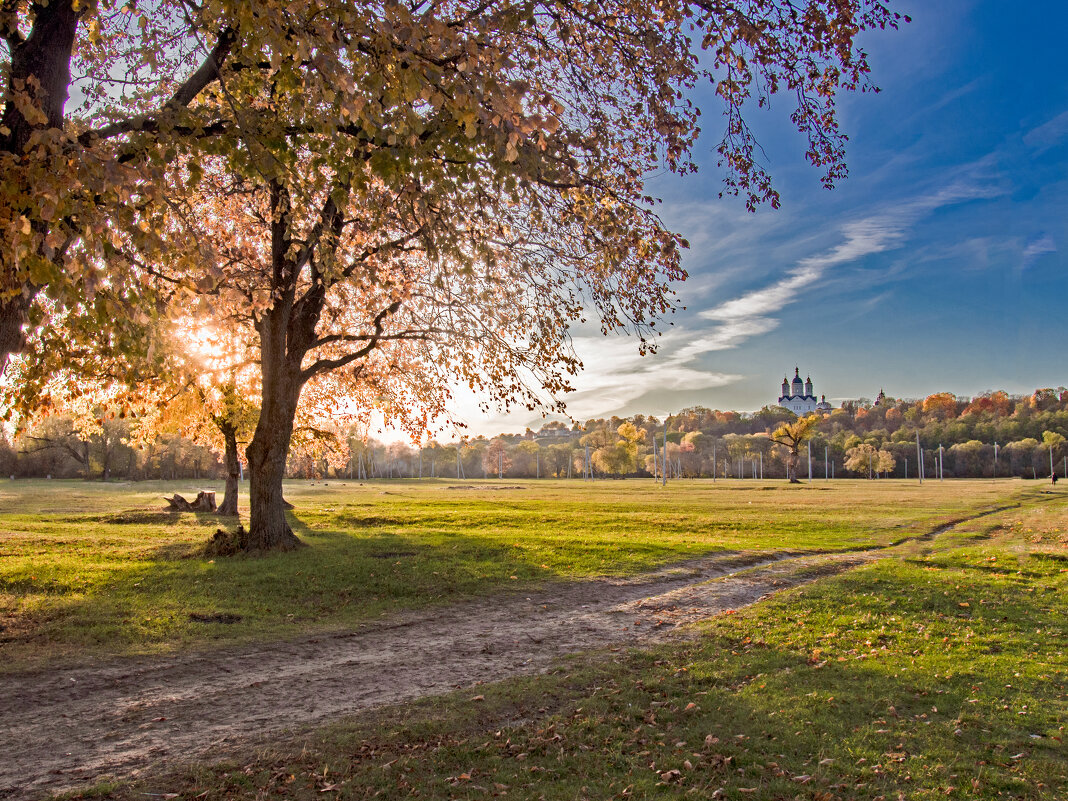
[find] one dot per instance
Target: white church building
(797, 396)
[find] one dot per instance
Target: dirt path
(65, 728)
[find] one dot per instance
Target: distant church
(798, 398)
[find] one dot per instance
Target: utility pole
(919, 456)
(825, 475)
(656, 459)
(809, 461)
(664, 471)
(941, 461)
(762, 465)
(714, 462)
(995, 460)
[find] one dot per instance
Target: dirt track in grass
(67, 727)
(64, 728)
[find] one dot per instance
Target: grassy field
(938, 672)
(94, 569)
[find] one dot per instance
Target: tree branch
(204, 75)
(326, 365)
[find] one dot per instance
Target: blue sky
(939, 264)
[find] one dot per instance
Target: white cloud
(751, 314)
(1048, 134)
(757, 304)
(1039, 246)
(614, 378)
(727, 335)
(614, 375)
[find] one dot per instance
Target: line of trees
(58, 446)
(992, 434)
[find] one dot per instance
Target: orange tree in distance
(791, 436)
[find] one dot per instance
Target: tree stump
(204, 502)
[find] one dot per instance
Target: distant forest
(1012, 435)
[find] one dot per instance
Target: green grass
(93, 569)
(936, 673)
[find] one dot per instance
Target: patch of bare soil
(490, 487)
(64, 728)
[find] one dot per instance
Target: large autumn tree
(401, 191)
(442, 191)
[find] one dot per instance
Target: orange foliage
(996, 403)
(940, 404)
(1043, 399)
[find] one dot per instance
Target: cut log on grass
(204, 502)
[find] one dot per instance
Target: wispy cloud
(752, 313)
(1037, 247)
(1048, 134)
(757, 304)
(614, 375)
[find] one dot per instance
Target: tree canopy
(396, 193)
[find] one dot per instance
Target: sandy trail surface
(63, 728)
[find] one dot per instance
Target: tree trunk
(42, 60)
(233, 471)
(12, 319)
(268, 527)
(286, 333)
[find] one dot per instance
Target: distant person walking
(1053, 478)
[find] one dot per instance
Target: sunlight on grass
(938, 673)
(101, 569)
